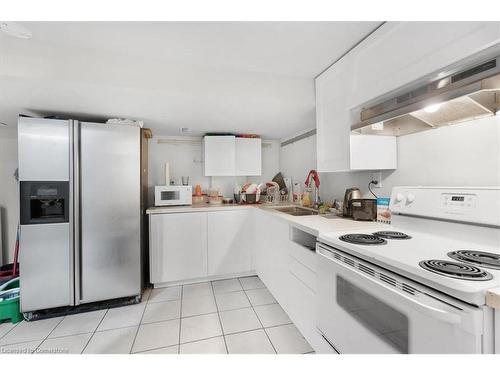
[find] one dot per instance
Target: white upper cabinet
(220, 155)
(396, 54)
(399, 53)
(333, 88)
(248, 156)
(232, 156)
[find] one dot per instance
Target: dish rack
(274, 196)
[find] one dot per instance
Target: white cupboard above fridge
(228, 155)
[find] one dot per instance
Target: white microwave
(173, 195)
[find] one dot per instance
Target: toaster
(364, 209)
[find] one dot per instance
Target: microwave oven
(173, 195)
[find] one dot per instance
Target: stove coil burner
(391, 235)
(456, 270)
(479, 258)
(362, 239)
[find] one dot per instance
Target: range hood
(466, 94)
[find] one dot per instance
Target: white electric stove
(419, 285)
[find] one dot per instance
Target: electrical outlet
(377, 176)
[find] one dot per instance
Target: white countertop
(314, 224)
(198, 207)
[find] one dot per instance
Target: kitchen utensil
(167, 174)
(213, 193)
(198, 199)
(279, 180)
(251, 189)
(251, 198)
(215, 200)
(307, 197)
(197, 190)
(350, 194)
(364, 209)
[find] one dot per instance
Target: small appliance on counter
(350, 195)
(173, 195)
(364, 209)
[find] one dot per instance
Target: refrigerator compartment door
(44, 147)
(109, 212)
(45, 266)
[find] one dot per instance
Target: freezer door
(43, 148)
(45, 266)
(109, 189)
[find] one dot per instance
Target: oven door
(368, 310)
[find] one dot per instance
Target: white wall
(8, 192)
(185, 157)
(298, 158)
(466, 154)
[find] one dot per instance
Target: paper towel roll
(167, 174)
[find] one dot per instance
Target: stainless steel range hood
(466, 94)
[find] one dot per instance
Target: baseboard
(204, 279)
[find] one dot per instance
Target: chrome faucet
(313, 176)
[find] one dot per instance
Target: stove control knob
(410, 198)
(399, 197)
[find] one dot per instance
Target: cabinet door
(333, 88)
(272, 254)
(248, 156)
(178, 246)
(220, 155)
(230, 235)
(400, 52)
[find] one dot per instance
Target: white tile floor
(235, 316)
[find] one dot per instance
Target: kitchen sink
(297, 211)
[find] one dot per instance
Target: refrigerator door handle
(71, 216)
(76, 216)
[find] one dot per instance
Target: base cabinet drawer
(303, 274)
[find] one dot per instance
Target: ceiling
(206, 76)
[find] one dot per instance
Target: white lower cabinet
(272, 252)
(230, 236)
(178, 246)
(289, 272)
(210, 245)
(200, 245)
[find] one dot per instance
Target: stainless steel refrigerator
(80, 215)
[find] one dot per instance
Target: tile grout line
(95, 330)
(180, 322)
(255, 312)
(11, 328)
(52, 330)
(139, 326)
(218, 315)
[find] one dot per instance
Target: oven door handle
(431, 311)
